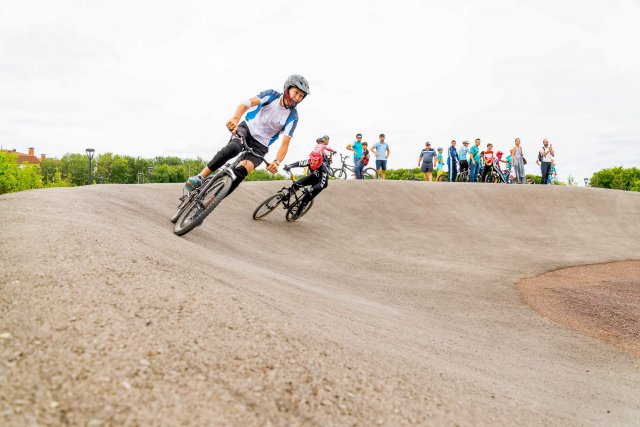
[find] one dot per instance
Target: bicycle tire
(289, 215)
(194, 214)
(369, 173)
(184, 202)
(339, 174)
(268, 206)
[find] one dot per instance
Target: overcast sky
(148, 78)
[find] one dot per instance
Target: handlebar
(248, 149)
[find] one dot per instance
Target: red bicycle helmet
(315, 160)
(499, 155)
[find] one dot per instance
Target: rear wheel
(267, 206)
(203, 205)
(369, 173)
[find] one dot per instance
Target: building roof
(24, 158)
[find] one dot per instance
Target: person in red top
(488, 161)
(318, 177)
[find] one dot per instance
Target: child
(318, 177)
(488, 161)
(364, 160)
(268, 115)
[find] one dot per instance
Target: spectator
(474, 157)
(440, 165)
(364, 161)
(488, 161)
(452, 161)
(545, 156)
(463, 153)
(518, 160)
(356, 147)
(426, 161)
(381, 151)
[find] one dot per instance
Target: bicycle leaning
(341, 172)
(197, 204)
(289, 197)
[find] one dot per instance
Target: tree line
(108, 168)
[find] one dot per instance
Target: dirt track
(107, 318)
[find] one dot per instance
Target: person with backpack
(318, 177)
(364, 161)
(545, 157)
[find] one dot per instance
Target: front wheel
(339, 174)
(184, 202)
(267, 206)
(293, 210)
(202, 205)
(369, 173)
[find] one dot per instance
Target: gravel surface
(389, 303)
(601, 300)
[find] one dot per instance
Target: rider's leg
(228, 152)
(241, 171)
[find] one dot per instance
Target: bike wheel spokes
(266, 207)
(203, 204)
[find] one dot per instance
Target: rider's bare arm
(232, 123)
(282, 153)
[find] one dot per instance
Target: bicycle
(197, 204)
(284, 196)
(341, 172)
(463, 176)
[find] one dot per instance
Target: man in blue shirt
(381, 151)
(474, 158)
(426, 161)
(356, 147)
(452, 161)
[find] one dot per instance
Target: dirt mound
(389, 303)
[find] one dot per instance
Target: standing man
(546, 156)
(463, 153)
(381, 151)
(356, 147)
(426, 161)
(452, 161)
(474, 157)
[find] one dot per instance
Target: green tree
(15, 178)
(75, 168)
(48, 168)
(616, 178)
(9, 171)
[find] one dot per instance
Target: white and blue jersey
(267, 120)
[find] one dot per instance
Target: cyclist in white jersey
(268, 115)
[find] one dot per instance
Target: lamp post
(90, 153)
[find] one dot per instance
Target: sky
(161, 78)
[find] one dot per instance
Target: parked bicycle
(289, 197)
(196, 205)
(342, 172)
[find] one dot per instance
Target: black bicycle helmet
(298, 81)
